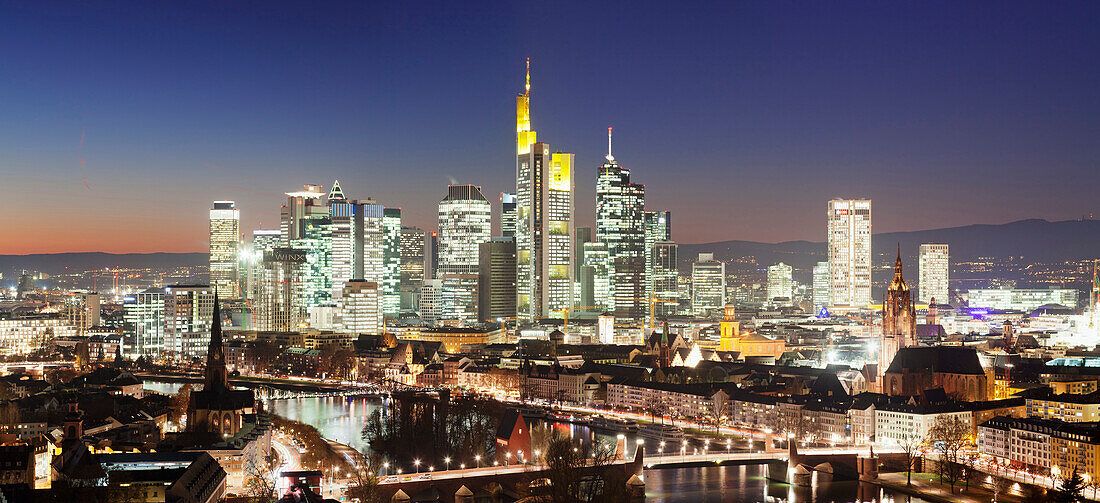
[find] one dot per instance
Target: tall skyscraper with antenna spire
(620, 224)
(544, 220)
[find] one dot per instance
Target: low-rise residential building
(1069, 407)
(900, 424)
(683, 400)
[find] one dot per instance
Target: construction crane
(565, 314)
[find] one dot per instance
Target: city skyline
(793, 111)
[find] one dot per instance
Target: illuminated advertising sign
(285, 255)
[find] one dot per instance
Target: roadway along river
(342, 419)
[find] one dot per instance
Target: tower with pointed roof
(217, 409)
(899, 319)
(216, 376)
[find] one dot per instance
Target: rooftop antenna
(527, 89)
(609, 156)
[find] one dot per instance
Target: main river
(342, 419)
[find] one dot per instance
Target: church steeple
(216, 377)
(897, 264)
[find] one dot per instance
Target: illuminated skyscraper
(391, 262)
(361, 300)
(497, 279)
(658, 227)
(821, 285)
(849, 251)
(281, 291)
(412, 266)
(544, 221)
(83, 310)
(225, 232)
(508, 214)
(780, 284)
(188, 313)
(358, 243)
(935, 269)
(464, 223)
(664, 278)
(143, 319)
(597, 275)
(251, 259)
(708, 285)
(620, 223)
(307, 225)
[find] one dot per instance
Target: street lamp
(417, 463)
(478, 459)
(447, 462)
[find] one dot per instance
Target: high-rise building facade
(708, 285)
(412, 266)
(360, 311)
(597, 275)
(497, 280)
(821, 285)
(544, 221)
(358, 242)
(459, 297)
(935, 268)
(658, 227)
(225, 235)
(664, 279)
(849, 249)
(464, 223)
(620, 223)
(306, 224)
(251, 260)
(391, 262)
(143, 319)
(780, 284)
(508, 214)
(188, 311)
(83, 310)
(281, 291)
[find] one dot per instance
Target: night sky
(120, 123)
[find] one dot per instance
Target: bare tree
(910, 446)
(364, 479)
(949, 435)
(581, 473)
(260, 480)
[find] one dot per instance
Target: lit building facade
(464, 223)
(497, 280)
(225, 235)
(391, 262)
(820, 285)
(597, 274)
(412, 266)
(1022, 299)
(188, 311)
(935, 268)
(780, 284)
(281, 301)
(306, 224)
(544, 221)
(143, 319)
(620, 224)
(658, 227)
(708, 285)
(83, 310)
(360, 312)
(508, 214)
(664, 272)
(849, 250)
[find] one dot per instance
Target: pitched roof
(944, 359)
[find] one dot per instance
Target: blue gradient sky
(742, 118)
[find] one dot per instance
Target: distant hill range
(56, 263)
(1034, 240)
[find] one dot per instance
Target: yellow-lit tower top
(524, 136)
